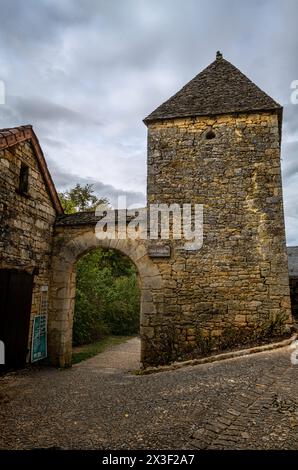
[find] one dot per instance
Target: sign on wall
(159, 251)
(39, 334)
(39, 338)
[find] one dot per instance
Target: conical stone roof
(219, 89)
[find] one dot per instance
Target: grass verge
(81, 353)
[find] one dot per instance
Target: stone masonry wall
(70, 243)
(237, 283)
(26, 221)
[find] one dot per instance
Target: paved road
(246, 403)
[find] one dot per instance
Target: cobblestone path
(243, 403)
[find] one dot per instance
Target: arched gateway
(74, 237)
(214, 144)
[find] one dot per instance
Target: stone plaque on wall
(159, 251)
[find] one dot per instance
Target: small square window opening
(24, 179)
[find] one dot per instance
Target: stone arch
(68, 248)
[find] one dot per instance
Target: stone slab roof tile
(219, 89)
(79, 218)
(85, 218)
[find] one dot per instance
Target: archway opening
(67, 251)
(107, 305)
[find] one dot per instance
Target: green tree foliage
(90, 292)
(81, 198)
(107, 297)
(67, 204)
(120, 265)
(121, 314)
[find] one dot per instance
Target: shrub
(107, 297)
(121, 313)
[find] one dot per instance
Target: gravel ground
(247, 403)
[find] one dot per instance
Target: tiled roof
(15, 135)
(86, 218)
(79, 218)
(219, 89)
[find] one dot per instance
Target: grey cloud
(54, 143)
(65, 181)
(37, 110)
(290, 160)
(85, 73)
(290, 120)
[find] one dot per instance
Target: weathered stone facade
(194, 302)
(70, 243)
(239, 278)
(215, 143)
(27, 220)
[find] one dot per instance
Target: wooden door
(15, 307)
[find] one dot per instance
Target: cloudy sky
(86, 72)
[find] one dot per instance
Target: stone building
(29, 206)
(215, 143)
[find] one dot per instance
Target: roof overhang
(13, 136)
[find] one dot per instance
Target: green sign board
(39, 338)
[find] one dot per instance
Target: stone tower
(217, 142)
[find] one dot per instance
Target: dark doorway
(294, 296)
(15, 306)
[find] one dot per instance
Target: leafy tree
(67, 204)
(119, 264)
(90, 297)
(81, 198)
(107, 299)
(121, 313)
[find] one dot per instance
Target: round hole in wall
(210, 135)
